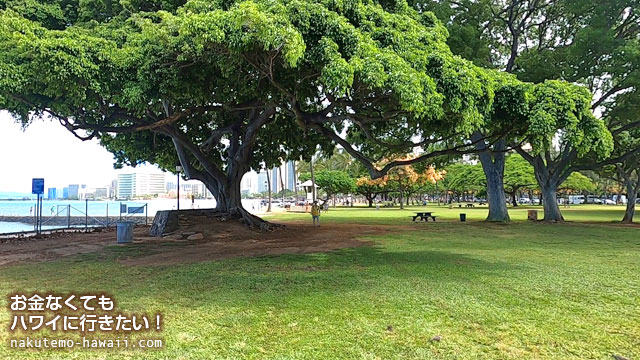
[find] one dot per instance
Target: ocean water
(11, 227)
(99, 208)
(78, 207)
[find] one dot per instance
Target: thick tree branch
(611, 161)
(179, 137)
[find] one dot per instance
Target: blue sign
(37, 186)
(136, 210)
(123, 208)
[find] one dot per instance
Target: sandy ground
(219, 240)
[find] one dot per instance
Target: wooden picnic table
(470, 205)
(424, 216)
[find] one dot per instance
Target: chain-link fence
(79, 215)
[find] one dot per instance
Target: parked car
(524, 200)
(609, 202)
(576, 199)
(592, 199)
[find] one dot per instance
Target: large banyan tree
(225, 87)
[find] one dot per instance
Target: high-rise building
(171, 186)
(84, 192)
(285, 175)
(275, 183)
(138, 184)
(65, 193)
(262, 181)
(73, 191)
(113, 189)
(190, 187)
(52, 193)
(199, 190)
(249, 183)
(102, 192)
(291, 176)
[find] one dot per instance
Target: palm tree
(268, 190)
(282, 182)
(313, 180)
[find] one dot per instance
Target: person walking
(315, 213)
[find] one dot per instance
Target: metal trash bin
(125, 232)
(463, 217)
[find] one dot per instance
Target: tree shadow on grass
(269, 278)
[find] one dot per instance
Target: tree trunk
(514, 198)
(313, 181)
(632, 195)
(295, 180)
(548, 183)
(493, 167)
(282, 181)
(231, 206)
(549, 175)
(401, 200)
(215, 191)
(631, 209)
(551, 208)
(224, 184)
(269, 190)
(495, 195)
(370, 200)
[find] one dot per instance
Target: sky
(47, 150)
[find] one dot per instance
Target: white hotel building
(138, 184)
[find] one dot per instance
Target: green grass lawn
(574, 213)
(492, 291)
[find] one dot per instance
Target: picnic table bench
(424, 216)
(470, 205)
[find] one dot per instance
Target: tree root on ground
(249, 219)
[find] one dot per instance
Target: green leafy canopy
(379, 73)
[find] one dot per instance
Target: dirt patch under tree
(199, 238)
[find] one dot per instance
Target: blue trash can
(463, 217)
(125, 232)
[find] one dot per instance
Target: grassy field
(364, 215)
(491, 291)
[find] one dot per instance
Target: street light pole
(178, 170)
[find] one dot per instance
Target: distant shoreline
(75, 220)
(123, 200)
